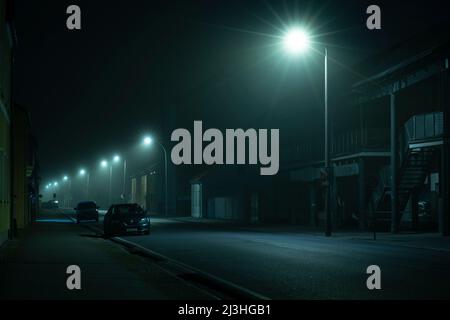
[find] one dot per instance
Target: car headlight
(144, 220)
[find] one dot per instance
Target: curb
(195, 275)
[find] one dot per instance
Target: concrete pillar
(415, 211)
(444, 190)
(313, 205)
(362, 194)
(394, 162)
(444, 178)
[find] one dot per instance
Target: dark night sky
(95, 91)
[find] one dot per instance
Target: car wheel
(147, 232)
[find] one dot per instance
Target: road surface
(301, 266)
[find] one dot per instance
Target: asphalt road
(296, 266)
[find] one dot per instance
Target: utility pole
(328, 168)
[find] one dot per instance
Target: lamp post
(104, 164)
(147, 141)
(83, 173)
(296, 41)
(68, 191)
(124, 180)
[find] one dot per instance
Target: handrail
(418, 127)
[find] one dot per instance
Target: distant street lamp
(104, 163)
(116, 159)
(147, 141)
(68, 190)
(297, 41)
(83, 173)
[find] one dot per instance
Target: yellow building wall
(20, 196)
(5, 105)
(5, 177)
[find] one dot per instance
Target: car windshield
(87, 205)
(128, 209)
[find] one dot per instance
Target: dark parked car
(87, 210)
(122, 218)
(51, 204)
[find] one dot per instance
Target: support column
(313, 205)
(394, 174)
(415, 211)
(444, 177)
(444, 191)
(362, 195)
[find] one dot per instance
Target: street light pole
(124, 179)
(87, 185)
(110, 182)
(166, 208)
(328, 168)
(297, 41)
(147, 141)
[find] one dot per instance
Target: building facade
(6, 45)
(390, 146)
(25, 169)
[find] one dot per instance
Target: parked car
(122, 218)
(87, 210)
(51, 204)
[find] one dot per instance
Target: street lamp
(147, 141)
(104, 164)
(83, 173)
(297, 41)
(116, 159)
(68, 193)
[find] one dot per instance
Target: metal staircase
(417, 151)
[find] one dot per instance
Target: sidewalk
(34, 267)
(431, 241)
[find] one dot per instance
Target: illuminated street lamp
(104, 164)
(68, 193)
(297, 41)
(147, 141)
(83, 173)
(116, 159)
